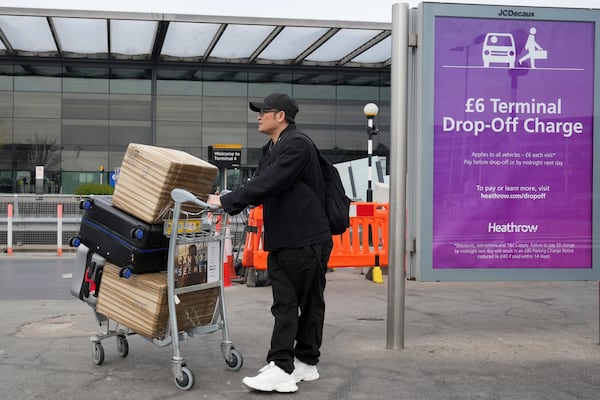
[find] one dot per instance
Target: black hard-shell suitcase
(87, 275)
(124, 240)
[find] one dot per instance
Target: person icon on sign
(534, 50)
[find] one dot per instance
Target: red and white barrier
(59, 217)
(9, 238)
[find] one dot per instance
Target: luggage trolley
(184, 230)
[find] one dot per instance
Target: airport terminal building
(76, 87)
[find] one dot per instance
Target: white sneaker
(271, 378)
(304, 372)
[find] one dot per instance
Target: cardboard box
(141, 304)
(149, 174)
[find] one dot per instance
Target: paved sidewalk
(463, 340)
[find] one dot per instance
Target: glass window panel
(38, 83)
(83, 160)
(342, 43)
(130, 86)
(255, 139)
(381, 52)
(130, 107)
(349, 137)
(316, 112)
(179, 108)
(179, 88)
(222, 75)
(314, 92)
(367, 94)
(6, 83)
(188, 39)
(386, 93)
(322, 135)
(34, 130)
(85, 132)
(132, 37)
(125, 132)
(362, 80)
(37, 104)
(225, 132)
(291, 42)
(314, 78)
(6, 104)
(86, 72)
(270, 76)
(83, 85)
(234, 89)
(27, 33)
(82, 35)
(178, 74)
(6, 131)
(225, 109)
(178, 133)
(240, 41)
(40, 70)
(115, 158)
(351, 112)
(258, 91)
(85, 105)
(7, 69)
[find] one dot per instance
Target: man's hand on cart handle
(215, 200)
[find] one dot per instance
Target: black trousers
(298, 281)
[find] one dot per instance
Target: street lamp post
(370, 111)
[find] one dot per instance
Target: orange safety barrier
(254, 230)
(364, 244)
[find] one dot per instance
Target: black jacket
(289, 184)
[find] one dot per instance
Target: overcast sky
(348, 10)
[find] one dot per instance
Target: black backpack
(337, 204)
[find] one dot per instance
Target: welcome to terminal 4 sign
(512, 136)
(225, 155)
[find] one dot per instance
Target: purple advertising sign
(513, 143)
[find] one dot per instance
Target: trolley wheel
(187, 381)
(236, 361)
(122, 345)
(98, 353)
(75, 241)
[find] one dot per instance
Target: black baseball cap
(276, 101)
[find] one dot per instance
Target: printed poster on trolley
(513, 143)
(197, 263)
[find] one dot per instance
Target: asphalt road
(463, 340)
(36, 277)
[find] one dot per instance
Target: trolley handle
(183, 196)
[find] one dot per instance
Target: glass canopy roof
(193, 38)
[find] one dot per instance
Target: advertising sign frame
(440, 233)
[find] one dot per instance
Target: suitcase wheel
(75, 241)
(86, 204)
(125, 272)
(138, 233)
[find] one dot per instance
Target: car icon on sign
(498, 48)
